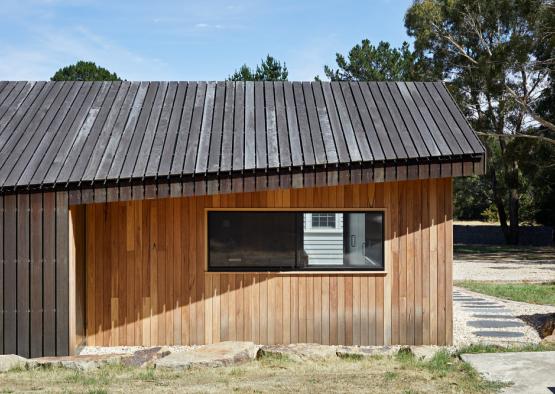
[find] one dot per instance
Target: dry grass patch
(402, 373)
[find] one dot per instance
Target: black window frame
(297, 267)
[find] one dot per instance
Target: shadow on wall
(146, 281)
(492, 235)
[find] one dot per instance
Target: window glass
(252, 239)
(295, 240)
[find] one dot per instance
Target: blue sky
(188, 40)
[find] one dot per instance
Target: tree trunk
(514, 205)
(498, 201)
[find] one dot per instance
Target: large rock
(300, 351)
(81, 363)
(549, 340)
(145, 357)
(367, 351)
(216, 355)
(427, 352)
(10, 361)
(543, 323)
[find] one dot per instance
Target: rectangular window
(287, 241)
(323, 220)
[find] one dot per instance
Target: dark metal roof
(82, 134)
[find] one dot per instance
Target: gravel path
(478, 318)
(102, 350)
(505, 270)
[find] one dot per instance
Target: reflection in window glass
(295, 240)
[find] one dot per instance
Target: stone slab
(498, 334)
(530, 372)
(493, 316)
(308, 351)
(215, 355)
(10, 361)
(81, 362)
(494, 324)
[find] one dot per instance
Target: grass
(512, 252)
(402, 373)
(484, 348)
(532, 293)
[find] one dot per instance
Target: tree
(366, 62)
(269, 69)
(487, 52)
(84, 71)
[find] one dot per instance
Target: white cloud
(49, 49)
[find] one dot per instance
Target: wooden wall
(34, 274)
(146, 282)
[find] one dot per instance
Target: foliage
(532, 293)
(269, 69)
(366, 62)
(472, 197)
(487, 51)
(84, 71)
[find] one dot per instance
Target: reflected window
(282, 240)
(326, 220)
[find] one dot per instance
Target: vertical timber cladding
(34, 274)
(147, 285)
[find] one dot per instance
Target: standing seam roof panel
(194, 132)
(250, 136)
(170, 143)
(184, 129)
(356, 122)
(407, 123)
(50, 156)
(10, 149)
(82, 121)
(455, 111)
(314, 124)
(448, 120)
(72, 159)
(428, 120)
(150, 132)
(94, 140)
(203, 149)
(41, 152)
(302, 124)
(416, 117)
(161, 132)
(367, 124)
(79, 134)
(123, 129)
(25, 156)
(126, 154)
(95, 152)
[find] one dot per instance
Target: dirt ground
(373, 375)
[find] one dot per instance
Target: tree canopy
(84, 71)
(497, 57)
(366, 62)
(270, 69)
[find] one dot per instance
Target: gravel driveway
(521, 265)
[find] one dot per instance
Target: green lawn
(532, 293)
(399, 374)
(501, 252)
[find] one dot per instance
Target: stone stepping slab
(500, 310)
(493, 316)
(498, 334)
(494, 324)
(484, 306)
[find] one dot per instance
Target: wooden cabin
(177, 213)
